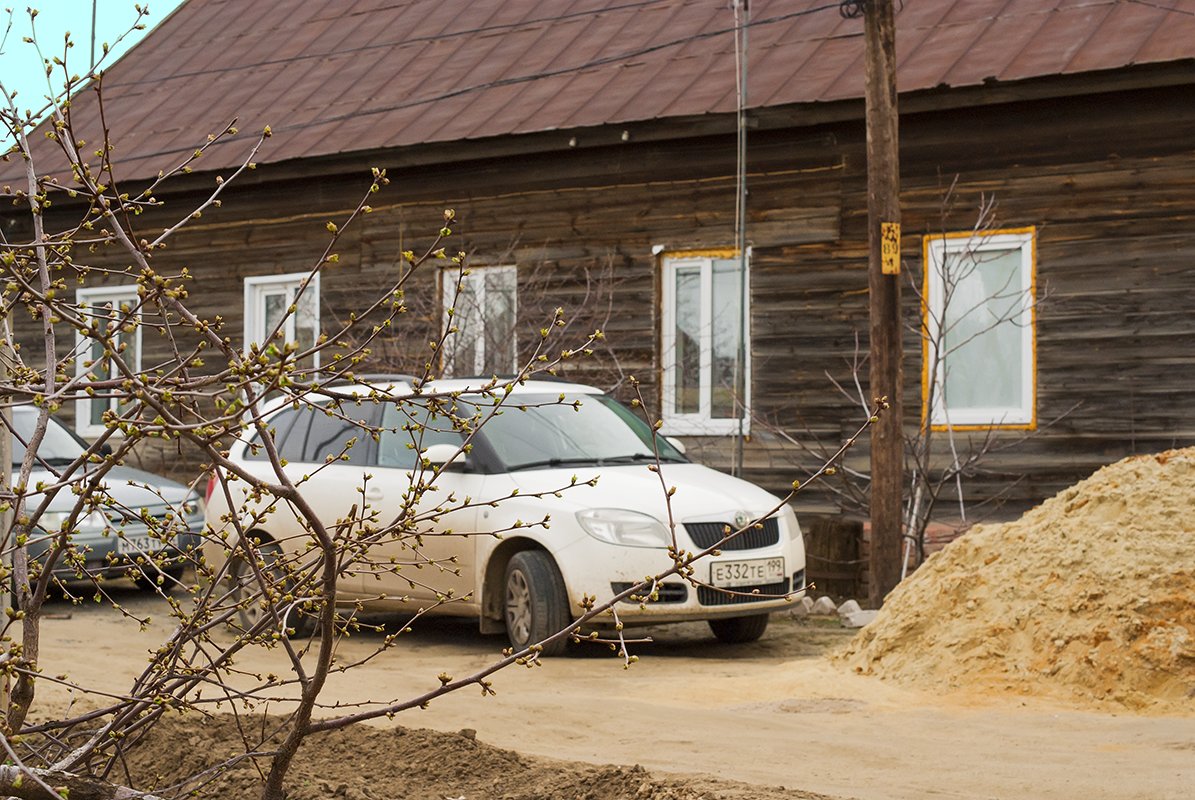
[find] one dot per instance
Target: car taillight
(211, 487)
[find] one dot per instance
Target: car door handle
(374, 493)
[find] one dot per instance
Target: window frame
(258, 287)
(88, 296)
(700, 423)
(475, 277)
(935, 247)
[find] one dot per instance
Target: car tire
(739, 630)
(250, 610)
(535, 602)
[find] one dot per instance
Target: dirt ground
(734, 722)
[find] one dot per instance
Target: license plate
(729, 574)
(138, 545)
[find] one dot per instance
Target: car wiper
(638, 458)
(52, 461)
(557, 462)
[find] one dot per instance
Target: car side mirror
(677, 443)
(105, 449)
(446, 456)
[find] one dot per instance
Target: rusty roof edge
(797, 115)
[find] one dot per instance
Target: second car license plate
(729, 574)
(138, 545)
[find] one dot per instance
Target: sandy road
(775, 712)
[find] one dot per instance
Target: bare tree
(205, 392)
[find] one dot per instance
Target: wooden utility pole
(7, 592)
(883, 270)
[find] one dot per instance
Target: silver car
(146, 529)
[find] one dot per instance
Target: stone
(823, 605)
(848, 608)
(858, 619)
(801, 608)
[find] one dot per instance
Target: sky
(20, 67)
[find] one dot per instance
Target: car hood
(702, 494)
(128, 487)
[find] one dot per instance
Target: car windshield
(542, 431)
(57, 448)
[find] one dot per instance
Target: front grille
(708, 534)
(668, 592)
(709, 596)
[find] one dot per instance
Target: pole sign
(890, 248)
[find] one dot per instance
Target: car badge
(741, 518)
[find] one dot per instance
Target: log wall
(1107, 181)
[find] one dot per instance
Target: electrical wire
(394, 44)
(742, 19)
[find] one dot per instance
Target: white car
(490, 555)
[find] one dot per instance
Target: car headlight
(620, 526)
(93, 522)
(191, 505)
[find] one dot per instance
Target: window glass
(100, 369)
(727, 328)
(274, 306)
(407, 429)
(464, 345)
(335, 432)
(499, 321)
(281, 423)
(541, 430)
(295, 442)
(688, 340)
(982, 337)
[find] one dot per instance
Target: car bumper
(116, 556)
(595, 569)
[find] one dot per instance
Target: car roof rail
(382, 376)
(538, 376)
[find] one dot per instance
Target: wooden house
(589, 151)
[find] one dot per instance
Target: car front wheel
(247, 594)
(535, 601)
(738, 630)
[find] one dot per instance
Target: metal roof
(350, 75)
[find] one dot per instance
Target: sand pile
(1091, 595)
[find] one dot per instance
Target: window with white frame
(112, 312)
(704, 343)
(979, 325)
(482, 305)
(279, 305)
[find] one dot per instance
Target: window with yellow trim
(979, 330)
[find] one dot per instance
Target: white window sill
(1007, 418)
(696, 426)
